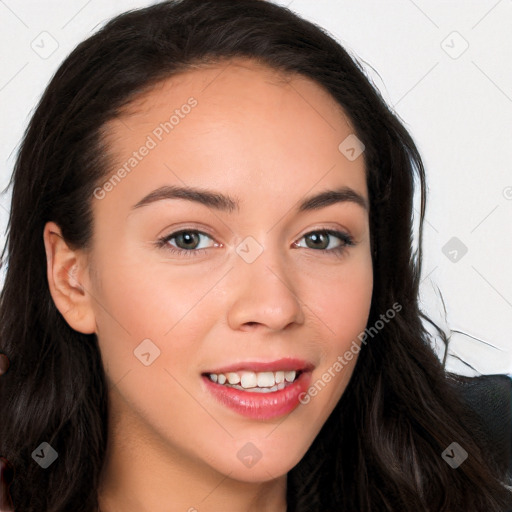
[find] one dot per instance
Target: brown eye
(186, 242)
(321, 239)
(189, 239)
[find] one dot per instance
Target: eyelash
(347, 241)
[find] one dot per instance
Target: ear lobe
(68, 280)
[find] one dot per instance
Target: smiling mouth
(260, 395)
(258, 382)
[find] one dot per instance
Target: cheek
(126, 303)
(341, 305)
(144, 299)
(342, 300)
(151, 309)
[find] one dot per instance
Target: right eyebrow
(209, 198)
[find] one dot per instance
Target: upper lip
(286, 364)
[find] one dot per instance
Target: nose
(264, 294)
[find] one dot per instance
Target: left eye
(319, 237)
(190, 240)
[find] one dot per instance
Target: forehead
(242, 91)
(247, 77)
(249, 123)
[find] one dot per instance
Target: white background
(456, 102)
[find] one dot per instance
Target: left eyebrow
(328, 197)
(223, 202)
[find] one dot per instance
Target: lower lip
(261, 406)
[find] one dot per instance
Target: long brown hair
(380, 449)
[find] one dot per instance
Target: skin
(268, 142)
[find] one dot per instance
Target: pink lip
(260, 406)
(285, 364)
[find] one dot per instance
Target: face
(252, 280)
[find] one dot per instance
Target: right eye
(185, 237)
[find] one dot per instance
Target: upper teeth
(254, 379)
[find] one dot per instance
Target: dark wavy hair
(380, 449)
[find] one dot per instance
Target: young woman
(211, 299)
